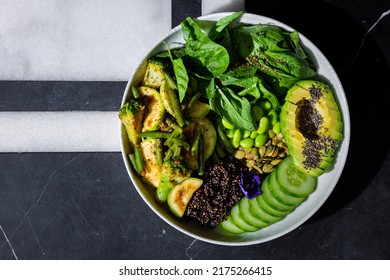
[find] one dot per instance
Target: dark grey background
(83, 205)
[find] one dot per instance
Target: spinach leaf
(210, 55)
(267, 94)
(235, 109)
(246, 86)
(290, 63)
(222, 23)
(273, 52)
(294, 40)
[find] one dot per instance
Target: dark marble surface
(83, 205)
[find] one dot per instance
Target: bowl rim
(341, 156)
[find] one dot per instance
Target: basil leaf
(181, 76)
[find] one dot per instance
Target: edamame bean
(237, 137)
(253, 134)
(258, 112)
(263, 125)
(266, 105)
(234, 145)
(276, 128)
(227, 124)
(246, 134)
(247, 143)
(229, 133)
(260, 140)
(273, 116)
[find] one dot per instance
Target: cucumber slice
(248, 214)
(294, 182)
(263, 215)
(208, 131)
(230, 226)
(260, 200)
(281, 196)
(180, 195)
(270, 199)
(198, 110)
(238, 220)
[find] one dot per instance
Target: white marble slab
(217, 6)
(82, 40)
(59, 132)
(78, 39)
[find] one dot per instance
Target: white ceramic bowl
(326, 182)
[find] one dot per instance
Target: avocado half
(312, 127)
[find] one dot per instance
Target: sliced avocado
(181, 194)
(171, 101)
(152, 170)
(311, 124)
(155, 110)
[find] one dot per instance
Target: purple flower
(250, 184)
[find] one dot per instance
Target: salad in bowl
(234, 128)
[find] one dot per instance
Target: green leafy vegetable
(221, 24)
(213, 57)
(181, 76)
(235, 109)
(274, 52)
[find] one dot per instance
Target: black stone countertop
(83, 205)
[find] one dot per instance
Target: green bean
(154, 134)
(139, 158)
(224, 140)
(195, 144)
(135, 91)
(247, 143)
(260, 140)
(263, 125)
(258, 112)
(220, 152)
(134, 164)
(159, 152)
(227, 124)
(273, 116)
(237, 138)
(201, 157)
(253, 134)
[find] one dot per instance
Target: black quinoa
(219, 193)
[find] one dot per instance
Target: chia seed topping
(315, 93)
